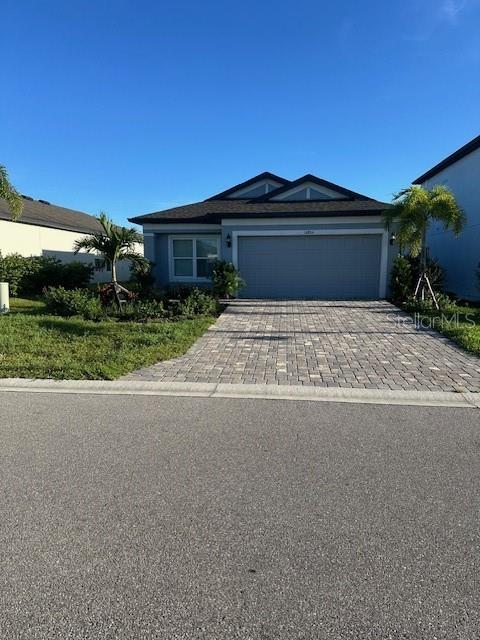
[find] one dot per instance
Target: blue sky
(131, 107)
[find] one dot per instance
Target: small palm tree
(413, 211)
(10, 194)
(114, 244)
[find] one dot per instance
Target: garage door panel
(316, 266)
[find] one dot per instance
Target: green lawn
(463, 328)
(35, 345)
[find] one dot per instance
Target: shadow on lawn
(77, 327)
(27, 311)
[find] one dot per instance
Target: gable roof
(308, 177)
(473, 145)
(214, 209)
(44, 214)
(266, 175)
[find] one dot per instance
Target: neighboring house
(459, 256)
(306, 238)
(47, 230)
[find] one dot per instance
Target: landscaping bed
(458, 320)
(459, 323)
(35, 344)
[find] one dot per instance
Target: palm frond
(446, 210)
(389, 217)
(10, 194)
(95, 242)
(136, 258)
(114, 243)
(415, 207)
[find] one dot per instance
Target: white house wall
(460, 256)
(34, 240)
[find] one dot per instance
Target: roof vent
(44, 201)
(27, 197)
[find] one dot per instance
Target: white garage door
(331, 267)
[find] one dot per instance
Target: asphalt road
(155, 517)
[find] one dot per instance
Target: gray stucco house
(460, 256)
(306, 238)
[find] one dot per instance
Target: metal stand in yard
(422, 281)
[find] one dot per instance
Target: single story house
(306, 238)
(459, 256)
(45, 229)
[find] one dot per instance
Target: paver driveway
(323, 343)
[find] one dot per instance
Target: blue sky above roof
(134, 107)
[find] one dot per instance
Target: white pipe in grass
(4, 298)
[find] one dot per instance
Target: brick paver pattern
(362, 344)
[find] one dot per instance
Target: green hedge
(30, 275)
(90, 305)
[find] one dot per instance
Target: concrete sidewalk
(220, 390)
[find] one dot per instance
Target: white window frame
(171, 258)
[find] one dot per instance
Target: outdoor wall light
(393, 237)
(229, 240)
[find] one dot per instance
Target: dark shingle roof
(311, 178)
(40, 213)
(473, 145)
(213, 210)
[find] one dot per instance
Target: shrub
(47, 271)
(177, 292)
(435, 271)
(405, 273)
(42, 271)
(401, 280)
(13, 269)
(76, 302)
(142, 276)
(197, 303)
(445, 303)
(226, 279)
(76, 275)
(30, 275)
(140, 311)
(83, 302)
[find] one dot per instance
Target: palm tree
(114, 244)
(10, 194)
(411, 214)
